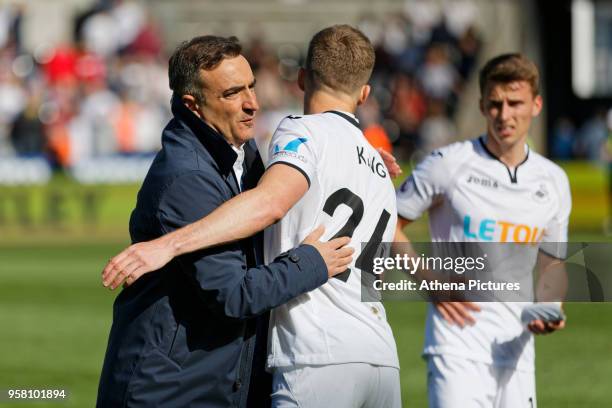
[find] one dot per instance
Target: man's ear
(537, 106)
(301, 78)
(190, 102)
(481, 106)
(363, 94)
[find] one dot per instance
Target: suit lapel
(253, 166)
(230, 179)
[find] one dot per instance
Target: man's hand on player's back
(335, 253)
(144, 257)
(390, 161)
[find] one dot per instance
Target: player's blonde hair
(339, 57)
(508, 68)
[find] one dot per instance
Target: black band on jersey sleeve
(295, 167)
(547, 253)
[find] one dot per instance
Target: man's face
(509, 109)
(230, 104)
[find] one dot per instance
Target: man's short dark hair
(191, 57)
(341, 58)
(508, 68)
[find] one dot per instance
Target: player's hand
(542, 327)
(335, 253)
(135, 261)
(459, 313)
(390, 163)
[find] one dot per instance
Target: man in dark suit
(185, 336)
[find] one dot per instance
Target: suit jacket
(185, 336)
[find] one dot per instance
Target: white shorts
(458, 382)
(350, 385)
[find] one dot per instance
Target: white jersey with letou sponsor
(473, 197)
(351, 194)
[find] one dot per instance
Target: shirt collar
(346, 115)
(483, 143)
(352, 115)
(512, 173)
(240, 155)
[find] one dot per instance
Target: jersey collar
(512, 174)
(346, 115)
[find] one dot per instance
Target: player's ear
(363, 94)
(301, 78)
(481, 106)
(537, 106)
(190, 102)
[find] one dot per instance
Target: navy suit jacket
(185, 336)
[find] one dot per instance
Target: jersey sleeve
(554, 240)
(293, 145)
(428, 182)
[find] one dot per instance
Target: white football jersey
(473, 197)
(351, 194)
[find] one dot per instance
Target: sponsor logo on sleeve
(291, 149)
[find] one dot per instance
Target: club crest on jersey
(291, 149)
(541, 195)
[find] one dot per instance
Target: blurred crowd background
(104, 93)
